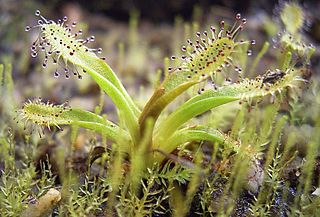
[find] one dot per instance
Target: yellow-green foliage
(203, 58)
(46, 114)
(292, 17)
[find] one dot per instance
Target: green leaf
(72, 51)
(202, 61)
(258, 87)
(292, 17)
(47, 115)
(185, 113)
(189, 134)
(160, 100)
(130, 118)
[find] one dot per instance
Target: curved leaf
(46, 114)
(198, 133)
(202, 60)
(269, 83)
(72, 51)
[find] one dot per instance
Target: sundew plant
(205, 58)
(155, 150)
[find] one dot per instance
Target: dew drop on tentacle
(34, 54)
(237, 69)
(189, 42)
(56, 74)
(213, 29)
(27, 28)
(222, 25)
(33, 48)
(205, 33)
(228, 81)
(37, 13)
(227, 64)
(249, 52)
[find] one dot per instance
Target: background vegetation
(76, 172)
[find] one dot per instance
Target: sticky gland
(57, 40)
